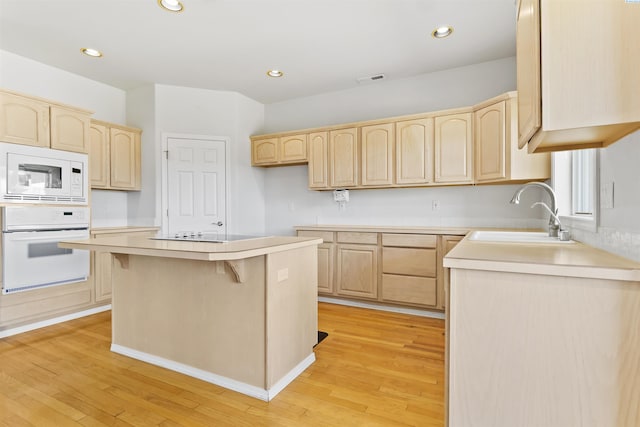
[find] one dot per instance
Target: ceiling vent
(371, 79)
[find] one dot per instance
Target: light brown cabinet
(114, 156)
(33, 121)
(326, 259)
(319, 160)
(577, 80)
(381, 266)
(343, 158)
(290, 149)
(24, 120)
(357, 265)
(453, 140)
(414, 151)
(409, 269)
(497, 157)
(377, 155)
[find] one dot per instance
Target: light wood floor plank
(374, 369)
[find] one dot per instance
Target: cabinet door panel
(23, 120)
(357, 271)
(490, 141)
(69, 130)
(325, 268)
(293, 149)
(528, 70)
(377, 144)
(99, 155)
(264, 151)
(409, 289)
(409, 261)
(454, 148)
(125, 154)
(318, 160)
(414, 151)
(343, 158)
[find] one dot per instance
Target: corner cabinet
(32, 121)
(454, 148)
(577, 80)
(114, 156)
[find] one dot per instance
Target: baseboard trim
(374, 306)
(53, 321)
(219, 380)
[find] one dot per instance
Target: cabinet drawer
(413, 262)
(327, 236)
(410, 240)
(357, 237)
(409, 289)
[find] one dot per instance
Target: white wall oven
(31, 256)
(42, 175)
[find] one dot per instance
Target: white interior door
(196, 186)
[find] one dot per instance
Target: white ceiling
(321, 45)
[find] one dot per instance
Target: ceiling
(321, 45)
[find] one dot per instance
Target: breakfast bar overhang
(241, 315)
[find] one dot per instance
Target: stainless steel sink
(516, 237)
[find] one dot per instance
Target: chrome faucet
(554, 222)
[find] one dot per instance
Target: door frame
(165, 173)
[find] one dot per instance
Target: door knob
(219, 223)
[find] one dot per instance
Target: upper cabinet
(114, 156)
(577, 78)
(414, 151)
(32, 121)
(497, 157)
(463, 146)
(343, 158)
(454, 148)
(290, 149)
(377, 142)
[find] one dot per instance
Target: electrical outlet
(435, 205)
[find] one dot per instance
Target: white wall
(619, 228)
(453, 88)
(290, 203)
(108, 103)
(200, 112)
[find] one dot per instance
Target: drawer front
(327, 236)
(410, 240)
(411, 262)
(409, 289)
(357, 237)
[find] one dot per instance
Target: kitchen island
(242, 315)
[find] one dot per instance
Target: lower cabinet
(402, 269)
(102, 260)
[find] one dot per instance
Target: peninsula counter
(241, 315)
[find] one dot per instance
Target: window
(575, 181)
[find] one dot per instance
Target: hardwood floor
(374, 369)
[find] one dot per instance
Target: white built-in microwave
(42, 175)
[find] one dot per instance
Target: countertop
(565, 259)
(456, 231)
(123, 229)
(192, 250)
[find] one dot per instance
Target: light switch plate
(606, 195)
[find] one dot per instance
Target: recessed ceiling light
(171, 5)
(275, 73)
(442, 32)
(91, 52)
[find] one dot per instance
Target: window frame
(561, 180)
